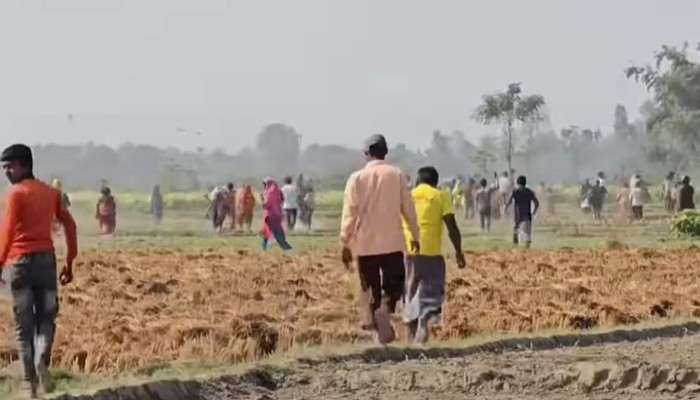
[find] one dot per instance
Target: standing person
(637, 200)
(524, 199)
(624, 207)
(375, 199)
(505, 188)
(425, 269)
(484, 200)
(273, 216)
(310, 205)
(668, 189)
(230, 205)
(27, 250)
(246, 207)
(106, 211)
(596, 199)
(65, 203)
(217, 207)
(290, 194)
(469, 199)
(686, 195)
(157, 204)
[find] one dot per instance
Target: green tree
(509, 109)
(673, 123)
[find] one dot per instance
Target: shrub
(686, 224)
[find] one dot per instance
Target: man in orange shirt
(376, 197)
(26, 249)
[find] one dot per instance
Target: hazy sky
(337, 70)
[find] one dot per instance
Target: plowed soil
(129, 308)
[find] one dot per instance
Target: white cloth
(291, 197)
(636, 197)
(504, 186)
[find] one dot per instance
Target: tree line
(667, 136)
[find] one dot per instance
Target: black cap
(376, 143)
(18, 152)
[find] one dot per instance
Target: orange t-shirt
(30, 209)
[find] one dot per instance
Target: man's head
(230, 186)
(601, 175)
(670, 175)
(483, 183)
(597, 182)
(17, 163)
(288, 180)
(686, 180)
(505, 174)
(376, 148)
(522, 181)
(106, 191)
(428, 176)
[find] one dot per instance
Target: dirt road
(653, 369)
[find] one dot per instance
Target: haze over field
(212, 73)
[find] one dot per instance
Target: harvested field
(132, 308)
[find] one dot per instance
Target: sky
(159, 71)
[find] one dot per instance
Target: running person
(523, 198)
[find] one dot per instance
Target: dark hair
(378, 151)
(686, 180)
(522, 180)
(19, 153)
(429, 176)
(230, 186)
(106, 191)
(483, 182)
(288, 180)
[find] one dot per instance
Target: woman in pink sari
(273, 215)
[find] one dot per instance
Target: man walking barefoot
(375, 199)
(426, 270)
(26, 248)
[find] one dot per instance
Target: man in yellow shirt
(425, 269)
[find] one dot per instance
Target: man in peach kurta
(376, 197)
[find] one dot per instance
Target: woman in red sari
(106, 212)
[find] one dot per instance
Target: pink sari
(273, 215)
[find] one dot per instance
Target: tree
(673, 123)
(579, 142)
(622, 127)
(280, 146)
(509, 109)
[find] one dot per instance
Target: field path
(616, 365)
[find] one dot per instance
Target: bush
(686, 224)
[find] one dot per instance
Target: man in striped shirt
(27, 250)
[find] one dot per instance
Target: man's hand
(461, 261)
(346, 256)
(415, 247)
(66, 275)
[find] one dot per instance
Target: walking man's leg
(46, 310)
(23, 312)
(371, 296)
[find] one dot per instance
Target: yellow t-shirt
(431, 206)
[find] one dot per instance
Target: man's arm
(537, 202)
(9, 223)
(350, 215)
(408, 210)
(66, 219)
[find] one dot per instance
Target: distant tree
(509, 109)
(673, 123)
(580, 142)
(279, 145)
(621, 126)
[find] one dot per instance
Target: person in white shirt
(505, 189)
(637, 201)
(291, 202)
(310, 204)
